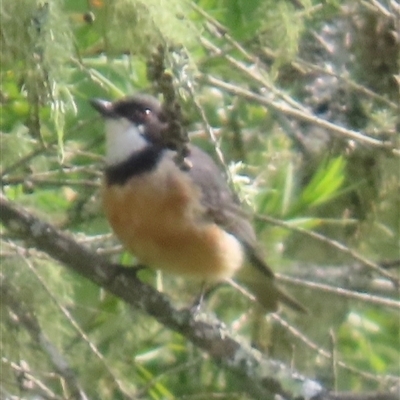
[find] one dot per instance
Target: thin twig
(49, 182)
(350, 294)
(39, 389)
(31, 324)
(209, 129)
(52, 145)
(255, 74)
(333, 243)
(77, 328)
(305, 117)
(297, 63)
(326, 354)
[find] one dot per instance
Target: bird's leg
(205, 293)
(198, 301)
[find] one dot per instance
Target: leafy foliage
(322, 197)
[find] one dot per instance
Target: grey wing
(222, 207)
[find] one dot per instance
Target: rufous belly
(158, 217)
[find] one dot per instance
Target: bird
(184, 221)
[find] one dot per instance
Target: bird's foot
(199, 301)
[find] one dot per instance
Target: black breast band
(138, 163)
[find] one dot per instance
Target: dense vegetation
(298, 101)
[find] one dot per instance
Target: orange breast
(158, 217)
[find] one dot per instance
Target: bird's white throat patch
(123, 138)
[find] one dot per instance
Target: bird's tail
(260, 281)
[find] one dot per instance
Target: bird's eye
(143, 114)
(140, 115)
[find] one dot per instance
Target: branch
(262, 378)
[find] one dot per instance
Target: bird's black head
(143, 111)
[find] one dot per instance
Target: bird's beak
(104, 107)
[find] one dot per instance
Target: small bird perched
(185, 222)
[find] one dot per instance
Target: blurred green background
(335, 61)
